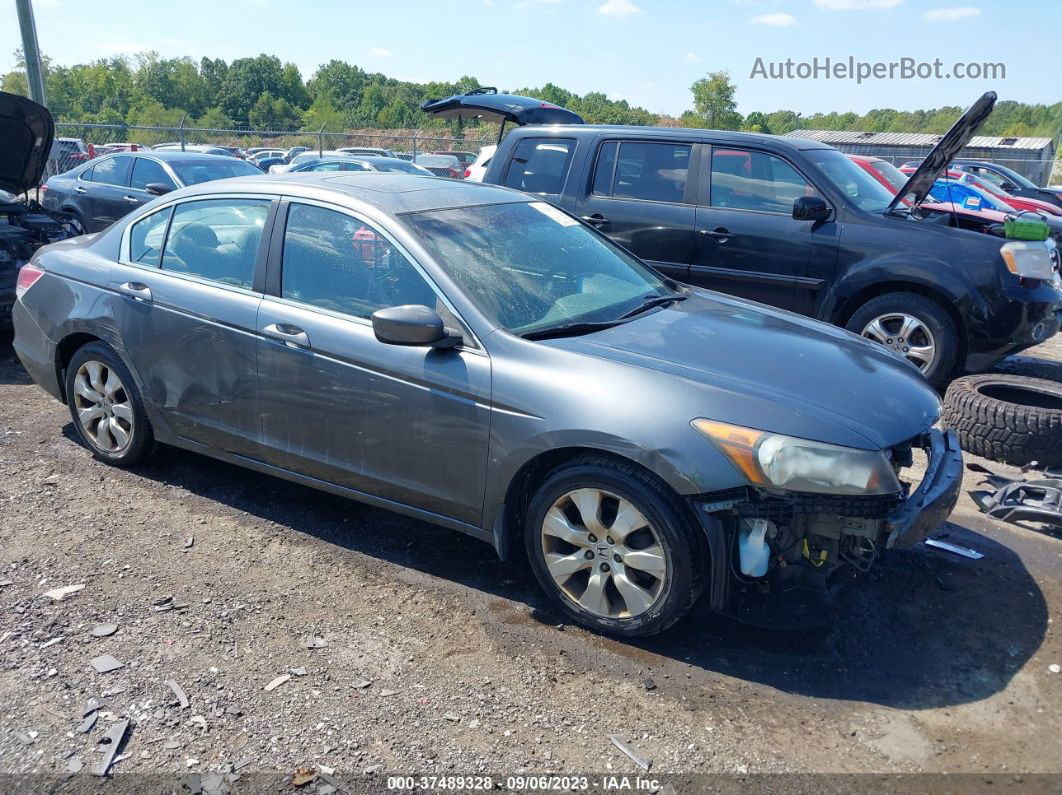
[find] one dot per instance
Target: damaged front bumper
(929, 506)
(760, 539)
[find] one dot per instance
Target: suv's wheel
(614, 547)
(106, 406)
(913, 327)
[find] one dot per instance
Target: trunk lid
(26, 133)
(951, 143)
(489, 105)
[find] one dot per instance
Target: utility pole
(31, 53)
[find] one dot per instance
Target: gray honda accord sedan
(477, 358)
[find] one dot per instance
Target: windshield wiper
(567, 330)
(654, 300)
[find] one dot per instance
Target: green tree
(757, 122)
(214, 118)
(714, 99)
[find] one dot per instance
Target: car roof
(681, 133)
(392, 192)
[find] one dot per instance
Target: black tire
(141, 438)
(1007, 418)
(930, 313)
(681, 540)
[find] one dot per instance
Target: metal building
(1032, 157)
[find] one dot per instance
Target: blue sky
(645, 51)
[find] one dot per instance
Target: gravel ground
(402, 648)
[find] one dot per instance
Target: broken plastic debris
(115, 737)
(182, 698)
(86, 725)
(314, 642)
(966, 552)
(52, 642)
(104, 630)
(630, 752)
(362, 684)
(278, 682)
(300, 671)
(59, 594)
(105, 663)
(1054, 668)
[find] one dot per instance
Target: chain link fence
(78, 142)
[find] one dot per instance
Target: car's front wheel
(614, 547)
(914, 328)
(106, 406)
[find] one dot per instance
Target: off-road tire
(929, 312)
(992, 426)
(142, 440)
(676, 528)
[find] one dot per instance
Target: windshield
(529, 266)
(852, 180)
(896, 178)
(192, 172)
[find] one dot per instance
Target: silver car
(474, 357)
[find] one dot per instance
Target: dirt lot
(434, 658)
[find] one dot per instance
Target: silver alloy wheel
(103, 407)
(603, 554)
(906, 336)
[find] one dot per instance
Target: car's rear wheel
(614, 547)
(912, 327)
(106, 406)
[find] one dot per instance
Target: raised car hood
(775, 371)
(951, 143)
(26, 134)
(488, 104)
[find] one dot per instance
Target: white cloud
(618, 8)
(776, 20)
(691, 57)
(382, 52)
(856, 5)
(950, 14)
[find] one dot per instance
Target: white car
(478, 167)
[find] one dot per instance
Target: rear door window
(216, 239)
(112, 171)
(540, 165)
(146, 236)
(643, 170)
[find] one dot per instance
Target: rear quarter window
(540, 165)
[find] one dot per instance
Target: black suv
(794, 223)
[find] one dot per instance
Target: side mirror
(412, 324)
(810, 208)
(158, 188)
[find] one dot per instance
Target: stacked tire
(1007, 418)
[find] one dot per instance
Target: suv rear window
(540, 165)
(643, 170)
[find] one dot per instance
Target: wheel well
(853, 302)
(65, 351)
(526, 481)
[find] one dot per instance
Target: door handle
(136, 291)
(131, 199)
(79, 189)
(722, 234)
(290, 335)
(597, 220)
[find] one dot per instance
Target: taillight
(468, 173)
(27, 277)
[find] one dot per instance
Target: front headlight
(786, 462)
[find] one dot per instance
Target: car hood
(26, 134)
(774, 370)
(488, 104)
(951, 143)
